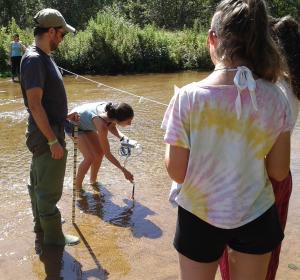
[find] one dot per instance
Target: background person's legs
(13, 67)
(18, 64)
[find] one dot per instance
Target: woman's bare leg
(95, 166)
(89, 154)
(94, 171)
(192, 270)
(248, 266)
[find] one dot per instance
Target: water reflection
(99, 272)
(56, 260)
(59, 264)
(132, 215)
(52, 259)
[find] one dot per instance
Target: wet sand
(120, 239)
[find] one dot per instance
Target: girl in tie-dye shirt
(226, 183)
(224, 137)
(286, 33)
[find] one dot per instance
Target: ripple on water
(17, 116)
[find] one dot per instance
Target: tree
(76, 12)
(22, 11)
(169, 14)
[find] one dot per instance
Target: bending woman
(96, 120)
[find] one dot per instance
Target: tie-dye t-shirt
(226, 182)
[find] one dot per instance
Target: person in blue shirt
(16, 51)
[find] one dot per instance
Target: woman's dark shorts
(202, 242)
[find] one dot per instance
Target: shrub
(110, 44)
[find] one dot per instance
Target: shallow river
(120, 239)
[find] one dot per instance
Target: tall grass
(110, 44)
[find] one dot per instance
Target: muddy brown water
(120, 240)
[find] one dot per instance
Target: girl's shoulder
(270, 91)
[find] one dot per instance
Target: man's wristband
(50, 143)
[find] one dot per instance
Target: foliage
(3, 50)
(21, 10)
(110, 44)
(180, 14)
(280, 8)
(77, 12)
(117, 36)
(170, 14)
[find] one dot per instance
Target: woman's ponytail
(260, 47)
(110, 108)
(243, 32)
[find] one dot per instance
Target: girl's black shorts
(202, 242)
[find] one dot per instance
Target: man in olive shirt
(46, 101)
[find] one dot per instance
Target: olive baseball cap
(47, 18)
